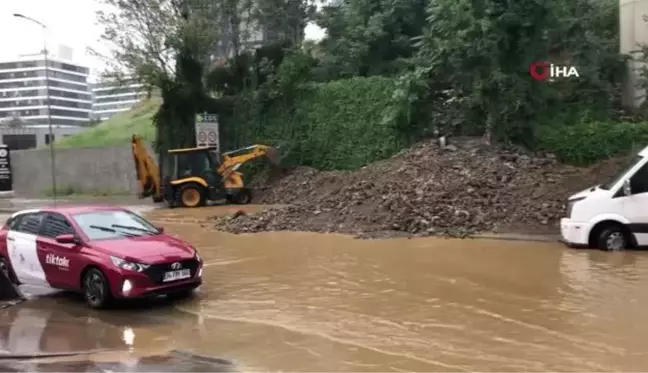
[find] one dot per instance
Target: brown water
(313, 302)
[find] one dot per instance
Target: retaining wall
(91, 170)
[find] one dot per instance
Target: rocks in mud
(458, 190)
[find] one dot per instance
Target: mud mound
(462, 189)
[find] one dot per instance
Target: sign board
(207, 133)
(6, 179)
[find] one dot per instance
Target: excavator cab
(191, 177)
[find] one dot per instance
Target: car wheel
(613, 238)
(96, 289)
(5, 268)
(191, 195)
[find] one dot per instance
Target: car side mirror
(627, 189)
(66, 239)
(160, 229)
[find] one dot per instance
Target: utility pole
(47, 102)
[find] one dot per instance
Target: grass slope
(118, 129)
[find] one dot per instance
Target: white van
(611, 216)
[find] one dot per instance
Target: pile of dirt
(458, 190)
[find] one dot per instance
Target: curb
(517, 237)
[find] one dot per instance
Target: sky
(69, 22)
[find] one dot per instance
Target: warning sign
(207, 134)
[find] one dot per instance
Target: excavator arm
(234, 159)
(231, 161)
(148, 172)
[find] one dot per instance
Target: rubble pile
(458, 190)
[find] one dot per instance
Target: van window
(614, 180)
(639, 181)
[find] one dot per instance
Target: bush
(588, 142)
(336, 125)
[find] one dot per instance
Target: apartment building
(110, 99)
(24, 91)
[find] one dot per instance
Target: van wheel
(96, 289)
(6, 270)
(613, 238)
(191, 195)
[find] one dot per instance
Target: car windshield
(103, 225)
(614, 180)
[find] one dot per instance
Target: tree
(481, 51)
(173, 44)
(164, 44)
(370, 37)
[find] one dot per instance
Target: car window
(55, 225)
(12, 223)
(29, 223)
(101, 225)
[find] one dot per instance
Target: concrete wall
(41, 132)
(633, 27)
(109, 169)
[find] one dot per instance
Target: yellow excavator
(191, 177)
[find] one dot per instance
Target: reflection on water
(174, 361)
(314, 302)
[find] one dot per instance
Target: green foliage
(170, 44)
(388, 73)
(118, 129)
(336, 125)
(587, 142)
(369, 37)
(482, 52)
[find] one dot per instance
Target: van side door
(635, 206)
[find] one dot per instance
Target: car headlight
(570, 205)
(130, 266)
(198, 258)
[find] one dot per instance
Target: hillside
(118, 129)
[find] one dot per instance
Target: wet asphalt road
(315, 302)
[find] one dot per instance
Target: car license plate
(177, 275)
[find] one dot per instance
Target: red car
(101, 251)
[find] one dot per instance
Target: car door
(61, 261)
(635, 206)
(23, 249)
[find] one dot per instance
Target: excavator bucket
(274, 156)
(8, 291)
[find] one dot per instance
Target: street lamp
(47, 94)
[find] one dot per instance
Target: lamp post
(47, 102)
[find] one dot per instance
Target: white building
(110, 99)
(24, 91)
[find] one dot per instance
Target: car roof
(72, 209)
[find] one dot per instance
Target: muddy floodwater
(313, 302)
